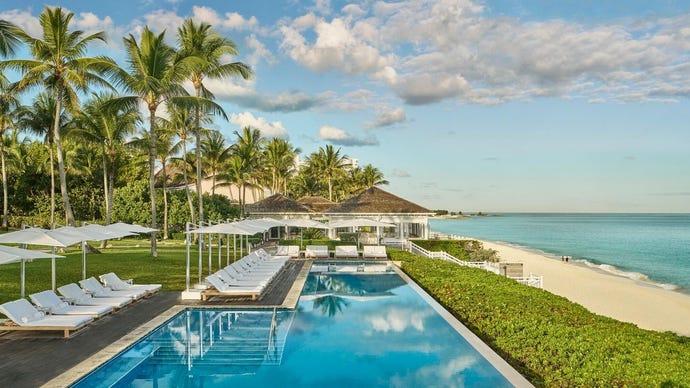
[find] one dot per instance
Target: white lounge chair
(316, 251)
(98, 290)
(374, 252)
(76, 295)
(224, 289)
(49, 302)
(26, 317)
(344, 251)
(291, 251)
(116, 284)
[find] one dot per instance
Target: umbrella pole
(187, 244)
(83, 260)
(220, 252)
(234, 248)
(210, 252)
(201, 251)
(23, 281)
(227, 251)
(52, 277)
(241, 246)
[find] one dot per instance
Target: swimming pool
(349, 329)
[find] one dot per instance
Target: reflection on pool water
(348, 330)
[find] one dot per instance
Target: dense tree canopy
(83, 126)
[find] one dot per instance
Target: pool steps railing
(531, 280)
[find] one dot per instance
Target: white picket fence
(531, 280)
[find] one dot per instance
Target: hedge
(550, 340)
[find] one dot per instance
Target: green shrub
(550, 340)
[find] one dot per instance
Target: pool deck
(33, 359)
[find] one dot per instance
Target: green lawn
(129, 258)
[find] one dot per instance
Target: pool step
(249, 339)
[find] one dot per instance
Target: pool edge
(85, 367)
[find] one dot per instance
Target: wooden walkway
(31, 359)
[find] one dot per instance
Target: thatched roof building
(377, 201)
(276, 205)
(317, 203)
(411, 220)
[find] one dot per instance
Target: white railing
(531, 280)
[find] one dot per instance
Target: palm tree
(181, 122)
(247, 151)
(157, 73)
(200, 41)
(215, 155)
(8, 105)
(372, 176)
(9, 39)
(38, 120)
(59, 64)
(104, 126)
(279, 157)
(329, 163)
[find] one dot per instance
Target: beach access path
(621, 298)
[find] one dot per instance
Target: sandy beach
(647, 306)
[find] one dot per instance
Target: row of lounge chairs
(341, 251)
(76, 308)
(248, 276)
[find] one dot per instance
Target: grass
(129, 258)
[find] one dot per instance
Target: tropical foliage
(77, 136)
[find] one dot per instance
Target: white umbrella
(38, 236)
(356, 222)
(304, 223)
(13, 255)
(122, 226)
(105, 231)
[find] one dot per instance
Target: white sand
(647, 306)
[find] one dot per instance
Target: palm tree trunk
(69, 215)
(52, 187)
(330, 189)
(152, 177)
(4, 184)
(104, 243)
(213, 184)
(165, 203)
(111, 192)
(186, 180)
(197, 125)
(244, 193)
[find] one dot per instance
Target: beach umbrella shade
(38, 236)
(123, 226)
(13, 255)
(357, 222)
(92, 232)
(304, 223)
(108, 233)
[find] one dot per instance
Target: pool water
(348, 330)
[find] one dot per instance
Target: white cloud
(341, 137)
(387, 117)
(457, 51)
(336, 47)
(267, 128)
(400, 173)
(23, 19)
(258, 52)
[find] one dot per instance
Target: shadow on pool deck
(31, 359)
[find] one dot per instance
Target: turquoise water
(348, 331)
(651, 248)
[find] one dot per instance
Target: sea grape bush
(550, 340)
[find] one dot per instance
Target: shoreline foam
(647, 304)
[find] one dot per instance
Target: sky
(465, 105)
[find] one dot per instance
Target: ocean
(649, 248)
